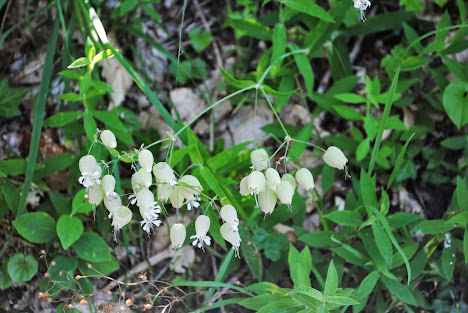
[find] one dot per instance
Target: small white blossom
(305, 179)
(90, 171)
(232, 237)
(255, 182)
(202, 225)
(362, 5)
(177, 234)
(193, 203)
(108, 185)
(273, 178)
(108, 139)
(229, 216)
(259, 159)
(145, 157)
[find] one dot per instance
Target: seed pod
(178, 234)
(164, 192)
(229, 214)
(121, 217)
(267, 200)
(285, 192)
(108, 139)
(273, 178)
(259, 159)
(176, 198)
(108, 185)
(112, 203)
(334, 157)
(145, 157)
(305, 179)
(244, 189)
(202, 225)
(231, 236)
(96, 194)
(255, 182)
(290, 179)
(189, 186)
(163, 173)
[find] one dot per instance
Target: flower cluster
(269, 187)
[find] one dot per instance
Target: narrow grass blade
(398, 162)
(39, 108)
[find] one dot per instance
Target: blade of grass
(39, 108)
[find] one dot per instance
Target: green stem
(274, 111)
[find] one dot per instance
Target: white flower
(273, 178)
(90, 171)
(108, 185)
(267, 200)
(244, 189)
(229, 216)
(362, 5)
(290, 179)
(164, 174)
(255, 182)
(336, 158)
(285, 193)
(111, 204)
(259, 159)
(202, 225)
(305, 179)
(108, 139)
(145, 157)
(95, 194)
(190, 186)
(232, 237)
(149, 210)
(121, 217)
(193, 203)
(176, 198)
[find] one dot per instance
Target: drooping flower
(177, 234)
(255, 182)
(334, 157)
(164, 192)
(111, 204)
(244, 189)
(202, 225)
(232, 237)
(90, 171)
(140, 180)
(362, 5)
(164, 174)
(229, 215)
(267, 200)
(95, 194)
(176, 198)
(145, 157)
(305, 179)
(108, 139)
(272, 178)
(149, 210)
(108, 185)
(121, 217)
(285, 193)
(259, 159)
(190, 186)
(290, 179)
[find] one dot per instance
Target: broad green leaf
(61, 203)
(348, 113)
(91, 247)
(399, 290)
(448, 260)
(62, 118)
(5, 279)
(346, 218)
(331, 284)
(350, 98)
(13, 166)
(226, 157)
(10, 99)
(279, 47)
(235, 82)
(257, 302)
(70, 74)
(383, 243)
(299, 273)
(368, 195)
(101, 268)
(37, 227)
(89, 125)
(303, 64)
(363, 150)
(310, 8)
(80, 204)
(319, 239)
(462, 193)
(54, 164)
(22, 268)
(80, 62)
(199, 39)
(70, 97)
(433, 227)
(455, 102)
(460, 218)
(285, 306)
(341, 300)
(251, 27)
(69, 230)
(266, 287)
(367, 285)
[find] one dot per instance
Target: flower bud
(108, 185)
(244, 189)
(273, 178)
(145, 157)
(285, 192)
(259, 159)
(189, 186)
(108, 139)
(267, 200)
(255, 182)
(231, 236)
(90, 171)
(164, 173)
(112, 203)
(202, 225)
(290, 179)
(176, 198)
(121, 217)
(305, 179)
(178, 233)
(164, 192)
(334, 157)
(95, 194)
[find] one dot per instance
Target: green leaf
(299, 266)
(13, 166)
(311, 292)
(448, 260)
(10, 99)
(462, 193)
(80, 204)
(348, 113)
(102, 268)
(91, 247)
(279, 47)
(368, 195)
(70, 74)
(305, 69)
(412, 5)
(331, 284)
(22, 268)
(363, 149)
(266, 287)
(310, 8)
(104, 54)
(367, 285)
(80, 62)
(285, 306)
(319, 239)
(69, 230)
(399, 290)
(54, 164)
(350, 98)
(199, 39)
(250, 27)
(257, 302)
(235, 82)
(398, 162)
(5, 280)
(61, 119)
(383, 243)
(70, 97)
(345, 217)
(455, 101)
(37, 227)
(433, 227)
(341, 300)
